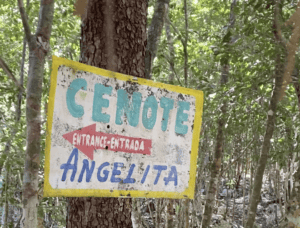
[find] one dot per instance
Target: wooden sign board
(114, 135)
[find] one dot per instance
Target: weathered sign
(111, 135)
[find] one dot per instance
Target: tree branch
(44, 25)
(174, 71)
(295, 17)
(278, 34)
(4, 66)
(235, 160)
(154, 33)
(185, 45)
(176, 30)
(25, 21)
(291, 46)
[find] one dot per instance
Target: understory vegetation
(243, 55)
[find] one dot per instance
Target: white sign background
(168, 147)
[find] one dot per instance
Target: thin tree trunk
(8, 71)
(244, 188)
(169, 222)
(297, 89)
(255, 197)
(157, 215)
(278, 190)
(171, 48)
(181, 214)
(19, 101)
(18, 107)
(279, 71)
(185, 45)
(292, 46)
(215, 169)
(216, 165)
(113, 37)
(38, 49)
(6, 207)
(296, 83)
(154, 33)
(200, 178)
(136, 216)
(187, 214)
(293, 212)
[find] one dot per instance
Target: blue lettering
(181, 117)
(105, 172)
(116, 172)
(167, 104)
(75, 109)
(89, 171)
(99, 103)
(128, 179)
(131, 110)
(151, 103)
(145, 174)
(68, 165)
(172, 176)
(159, 168)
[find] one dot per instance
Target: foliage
(65, 43)
(251, 57)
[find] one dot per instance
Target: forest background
(244, 56)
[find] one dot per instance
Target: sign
(114, 135)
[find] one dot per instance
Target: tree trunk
(293, 212)
(169, 220)
(185, 51)
(38, 49)
(216, 164)
(279, 71)
(113, 37)
(215, 170)
(20, 85)
(154, 32)
(171, 57)
(297, 89)
(255, 197)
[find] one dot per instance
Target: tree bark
(292, 206)
(8, 144)
(293, 212)
(38, 49)
(8, 71)
(215, 171)
(216, 164)
(279, 72)
(154, 33)
(185, 44)
(255, 197)
(113, 37)
(292, 46)
(18, 107)
(296, 82)
(170, 213)
(171, 48)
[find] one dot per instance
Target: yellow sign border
(188, 193)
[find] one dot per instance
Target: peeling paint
(109, 160)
